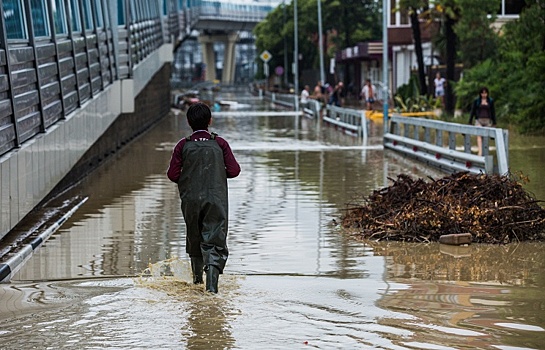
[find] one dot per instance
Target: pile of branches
(493, 208)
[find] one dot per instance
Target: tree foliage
(477, 39)
(515, 75)
(344, 23)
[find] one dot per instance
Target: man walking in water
(368, 94)
(201, 164)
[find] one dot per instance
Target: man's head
(199, 116)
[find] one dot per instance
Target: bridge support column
(229, 59)
(207, 44)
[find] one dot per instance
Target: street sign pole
(266, 57)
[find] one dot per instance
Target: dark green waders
(203, 191)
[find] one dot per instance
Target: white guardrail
(351, 120)
(448, 145)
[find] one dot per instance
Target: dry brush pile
(493, 208)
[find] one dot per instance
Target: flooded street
(116, 274)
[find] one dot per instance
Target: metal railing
(449, 145)
(351, 120)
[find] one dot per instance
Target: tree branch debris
(492, 208)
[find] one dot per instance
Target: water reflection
(294, 279)
(478, 296)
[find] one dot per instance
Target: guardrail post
(501, 151)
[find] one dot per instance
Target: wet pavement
(115, 274)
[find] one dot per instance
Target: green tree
(414, 8)
(477, 38)
(515, 74)
(347, 22)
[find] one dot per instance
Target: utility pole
(321, 42)
(385, 63)
(285, 47)
(295, 56)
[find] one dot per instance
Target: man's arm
(175, 166)
(232, 168)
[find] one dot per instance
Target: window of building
(14, 19)
(133, 13)
(40, 18)
(98, 13)
(87, 15)
(59, 16)
(511, 7)
(397, 17)
(121, 12)
(75, 20)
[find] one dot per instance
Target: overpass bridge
(221, 21)
(81, 78)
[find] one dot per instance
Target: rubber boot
(212, 276)
(197, 265)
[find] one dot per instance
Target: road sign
(265, 56)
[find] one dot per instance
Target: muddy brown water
(115, 274)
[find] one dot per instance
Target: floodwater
(115, 275)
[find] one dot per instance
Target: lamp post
(321, 43)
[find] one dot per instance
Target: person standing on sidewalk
(201, 164)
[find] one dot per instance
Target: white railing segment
(448, 145)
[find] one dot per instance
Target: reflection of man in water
(207, 325)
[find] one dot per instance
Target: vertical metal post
(32, 42)
(295, 55)
(84, 35)
(108, 31)
(385, 62)
(4, 44)
(69, 14)
(285, 47)
(94, 16)
(321, 43)
(53, 31)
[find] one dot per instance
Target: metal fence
(50, 66)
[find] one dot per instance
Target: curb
(14, 264)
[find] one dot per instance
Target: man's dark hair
(198, 116)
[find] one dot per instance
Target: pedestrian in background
(368, 94)
(305, 94)
(337, 96)
(439, 82)
(484, 113)
(201, 164)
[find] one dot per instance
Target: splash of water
(172, 276)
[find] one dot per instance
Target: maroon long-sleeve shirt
(232, 168)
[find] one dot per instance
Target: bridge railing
(232, 10)
(448, 145)
(351, 120)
